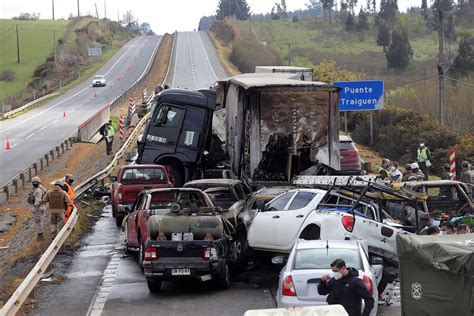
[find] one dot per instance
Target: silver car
(309, 260)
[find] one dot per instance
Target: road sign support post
(371, 124)
(345, 122)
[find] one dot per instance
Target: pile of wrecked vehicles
(273, 142)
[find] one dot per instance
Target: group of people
(60, 201)
(418, 170)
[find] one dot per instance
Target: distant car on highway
(349, 154)
(309, 260)
(99, 81)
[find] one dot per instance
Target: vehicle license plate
(180, 271)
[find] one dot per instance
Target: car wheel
(118, 220)
(223, 278)
(127, 247)
(177, 176)
(238, 251)
(141, 253)
(154, 285)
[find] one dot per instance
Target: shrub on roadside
(7, 75)
(248, 53)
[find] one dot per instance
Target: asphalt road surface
(34, 133)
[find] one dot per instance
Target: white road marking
(61, 102)
(207, 57)
(55, 121)
(31, 135)
(42, 128)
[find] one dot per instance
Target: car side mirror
(113, 178)
(260, 205)
(279, 260)
(376, 261)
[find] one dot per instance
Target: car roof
(143, 166)
(345, 138)
(273, 191)
(174, 189)
(321, 244)
(216, 181)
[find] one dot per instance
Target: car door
(293, 217)
(262, 231)
(132, 237)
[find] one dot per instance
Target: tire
(223, 278)
(177, 176)
(154, 285)
(238, 252)
(141, 253)
(119, 220)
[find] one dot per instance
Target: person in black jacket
(347, 289)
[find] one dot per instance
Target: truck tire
(238, 252)
(223, 277)
(154, 285)
(177, 176)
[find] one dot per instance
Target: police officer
(423, 155)
(67, 187)
(109, 137)
(35, 198)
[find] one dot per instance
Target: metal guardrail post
(59, 151)
(15, 184)
(51, 152)
(22, 177)
(35, 166)
(62, 148)
(41, 163)
(6, 189)
(46, 157)
(29, 174)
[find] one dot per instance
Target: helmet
(414, 165)
(58, 182)
(68, 176)
(36, 180)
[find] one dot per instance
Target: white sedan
(99, 81)
(276, 226)
(310, 260)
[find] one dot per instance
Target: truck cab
(178, 132)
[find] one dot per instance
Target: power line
(465, 70)
(461, 82)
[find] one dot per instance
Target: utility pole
(78, 13)
(96, 11)
(52, 1)
(105, 9)
(289, 52)
(440, 67)
(17, 45)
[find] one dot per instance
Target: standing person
(67, 187)
(383, 171)
(466, 173)
(109, 137)
(58, 204)
(446, 175)
(423, 155)
(395, 174)
(35, 198)
(347, 289)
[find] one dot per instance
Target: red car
(130, 181)
(349, 154)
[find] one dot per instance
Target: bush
(7, 75)
(248, 53)
(397, 133)
(223, 31)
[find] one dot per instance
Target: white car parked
(99, 81)
(309, 260)
(276, 226)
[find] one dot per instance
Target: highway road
(34, 133)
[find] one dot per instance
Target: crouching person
(58, 204)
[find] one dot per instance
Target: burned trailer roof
(201, 98)
(271, 80)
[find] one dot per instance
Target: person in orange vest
(67, 186)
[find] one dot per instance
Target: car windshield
(186, 200)
(99, 77)
(346, 145)
(321, 258)
(143, 175)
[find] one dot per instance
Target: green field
(36, 43)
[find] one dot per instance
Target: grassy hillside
(39, 72)
(36, 43)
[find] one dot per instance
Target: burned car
(179, 234)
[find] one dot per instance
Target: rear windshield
(144, 175)
(322, 258)
(99, 77)
(163, 200)
(346, 145)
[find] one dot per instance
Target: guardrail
(29, 172)
(28, 105)
(13, 305)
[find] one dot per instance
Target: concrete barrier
(91, 127)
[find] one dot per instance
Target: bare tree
(128, 17)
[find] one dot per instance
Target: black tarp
(436, 275)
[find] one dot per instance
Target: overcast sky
(163, 15)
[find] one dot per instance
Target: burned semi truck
(276, 127)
